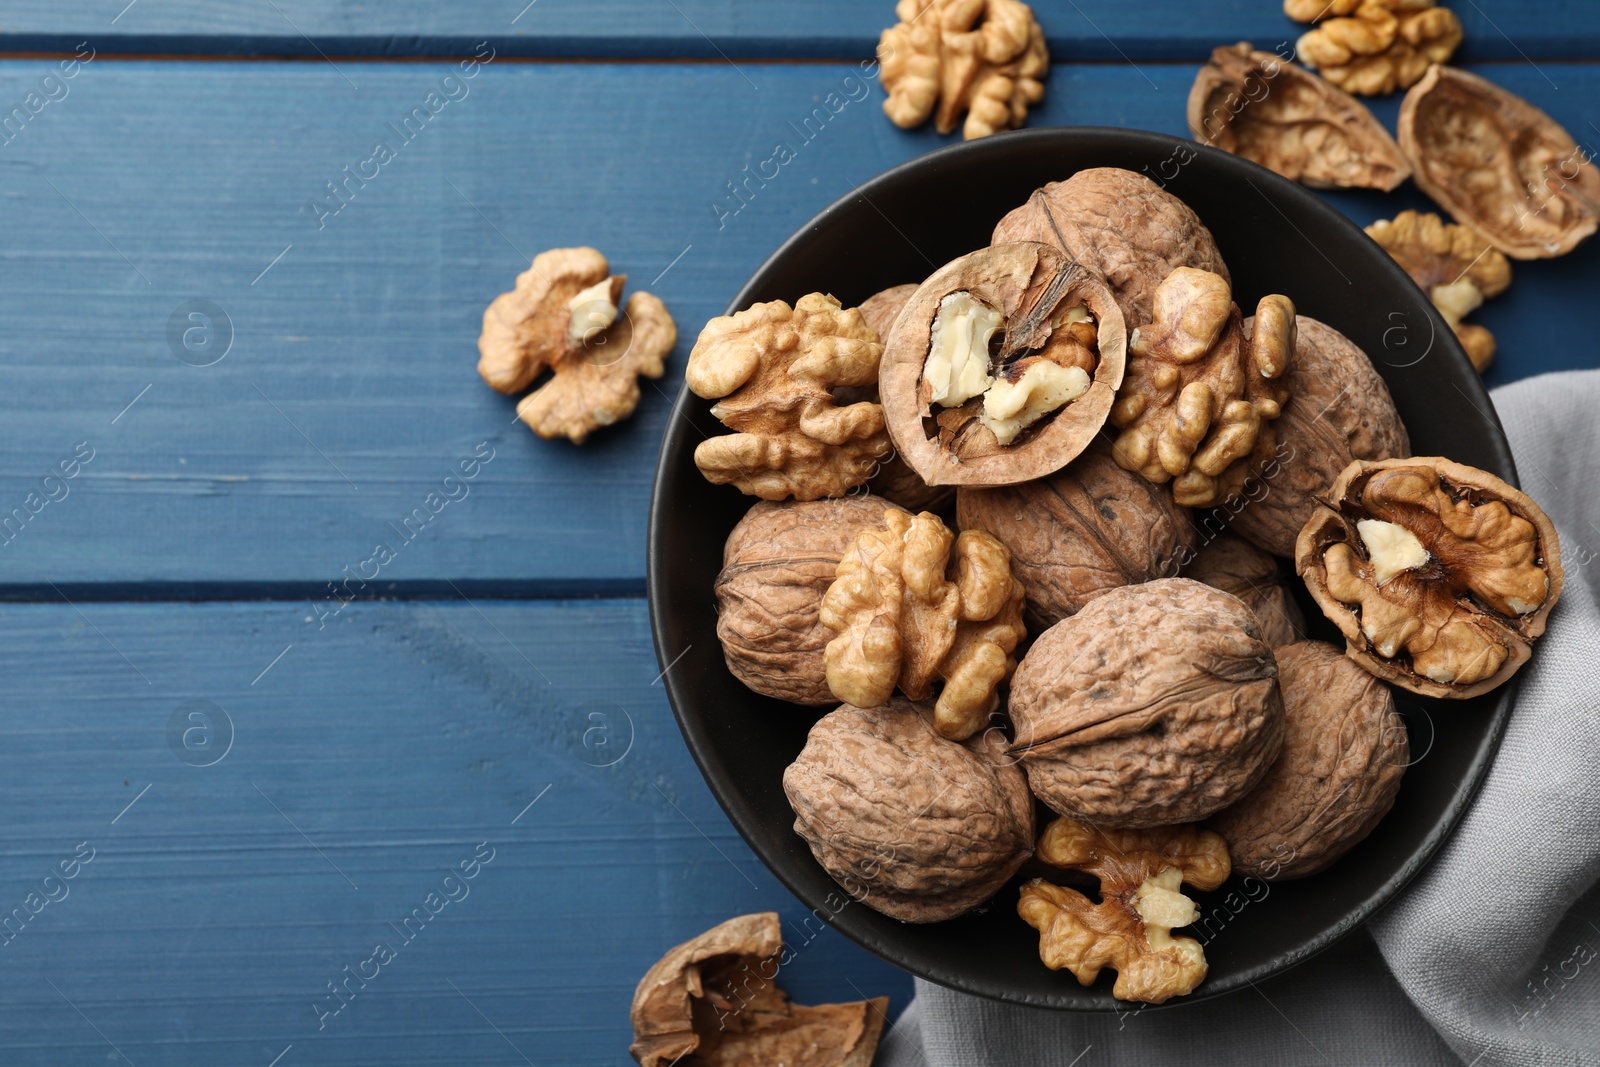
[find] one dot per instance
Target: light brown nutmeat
(908, 823)
(913, 604)
(1197, 404)
(1499, 165)
(777, 564)
(1156, 704)
(1258, 106)
(1339, 410)
(713, 999)
(1234, 565)
(1344, 752)
(986, 58)
(1439, 575)
(1381, 47)
(564, 317)
(1455, 265)
(772, 370)
(1130, 929)
(1317, 10)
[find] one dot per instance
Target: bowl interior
(1275, 237)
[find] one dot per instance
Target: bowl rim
(698, 740)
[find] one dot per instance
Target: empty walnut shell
(908, 823)
(1035, 290)
(778, 563)
(1155, 704)
(1235, 566)
(1344, 752)
(1499, 164)
(1339, 410)
(1122, 226)
(1080, 531)
(1255, 105)
(1439, 575)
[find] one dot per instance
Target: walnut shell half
(1002, 367)
(1155, 704)
(1344, 752)
(1499, 164)
(1439, 575)
(908, 823)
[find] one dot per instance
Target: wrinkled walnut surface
(596, 356)
(1155, 704)
(944, 57)
(1234, 565)
(1197, 404)
(772, 368)
(1255, 105)
(1499, 165)
(913, 603)
(1381, 46)
(1339, 410)
(1080, 531)
(911, 824)
(1130, 929)
(1344, 752)
(777, 564)
(1032, 287)
(1464, 620)
(713, 997)
(1122, 226)
(1455, 265)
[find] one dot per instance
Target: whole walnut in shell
(1339, 410)
(1235, 566)
(1120, 225)
(913, 825)
(1344, 752)
(1089, 527)
(778, 563)
(1155, 704)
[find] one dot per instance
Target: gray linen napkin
(1492, 956)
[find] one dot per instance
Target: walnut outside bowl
(900, 227)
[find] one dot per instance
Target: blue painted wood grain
(366, 765)
(349, 393)
(710, 29)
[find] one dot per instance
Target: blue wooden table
(254, 779)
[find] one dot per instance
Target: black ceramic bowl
(1275, 237)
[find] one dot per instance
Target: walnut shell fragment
(1439, 575)
(713, 997)
(563, 317)
(1001, 367)
(1120, 225)
(913, 825)
(772, 370)
(1255, 105)
(1499, 165)
(909, 608)
(1339, 410)
(1089, 527)
(1197, 405)
(1344, 753)
(1155, 704)
(1235, 566)
(1455, 265)
(777, 564)
(1130, 929)
(985, 57)
(1383, 45)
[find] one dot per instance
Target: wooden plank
(706, 29)
(349, 393)
(366, 764)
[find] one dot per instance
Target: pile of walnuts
(991, 539)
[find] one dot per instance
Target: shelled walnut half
(1456, 267)
(1381, 46)
(1002, 367)
(1439, 575)
(1130, 929)
(1258, 106)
